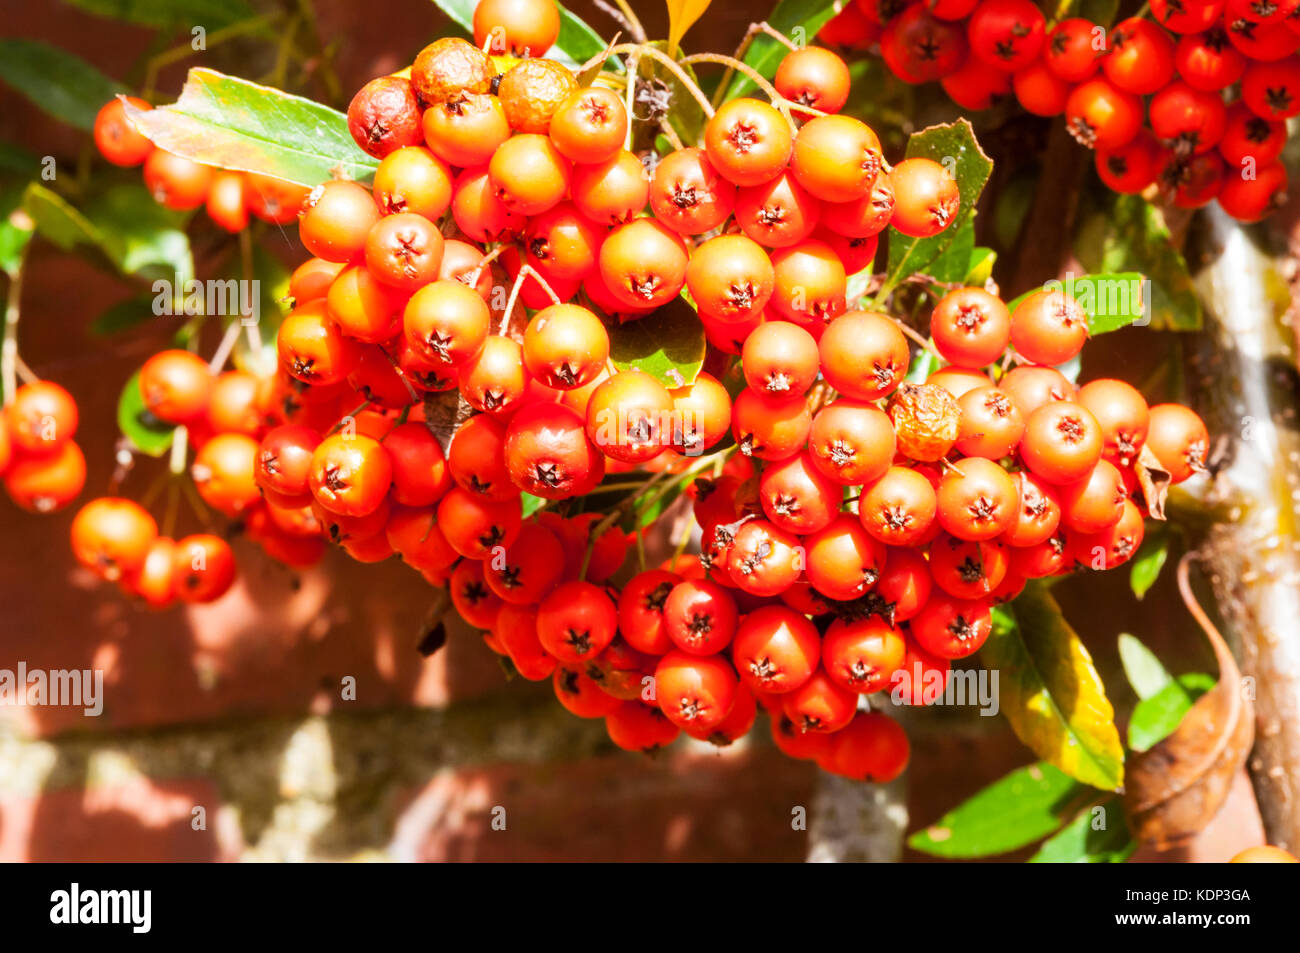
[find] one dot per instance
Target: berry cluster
(42, 466)
(182, 184)
(857, 540)
(1148, 95)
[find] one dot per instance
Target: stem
(779, 101)
(633, 23)
(349, 415)
(614, 516)
(477, 273)
(25, 373)
(510, 303)
(916, 338)
(9, 350)
(225, 347)
(681, 548)
(765, 27)
(667, 129)
(180, 450)
(629, 95)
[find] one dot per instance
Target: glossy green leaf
(576, 43)
(530, 504)
(981, 265)
(146, 432)
(1148, 562)
(17, 162)
(1099, 835)
(60, 83)
(141, 236)
(954, 147)
(1011, 813)
(667, 344)
(224, 121)
(58, 221)
(1155, 718)
(209, 14)
(1051, 692)
(799, 20)
(1125, 233)
(124, 315)
(1141, 667)
(955, 261)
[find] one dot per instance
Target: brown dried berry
(384, 116)
(926, 421)
(531, 91)
(449, 67)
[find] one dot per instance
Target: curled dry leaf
(1174, 789)
(1154, 480)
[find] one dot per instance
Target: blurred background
(237, 709)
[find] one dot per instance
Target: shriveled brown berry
(448, 67)
(532, 90)
(926, 421)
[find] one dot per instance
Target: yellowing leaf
(682, 14)
(1051, 692)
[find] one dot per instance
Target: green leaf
(1156, 717)
(59, 222)
(146, 432)
(955, 261)
(799, 20)
(1127, 233)
(980, 269)
(17, 161)
(1051, 692)
(135, 233)
(1141, 667)
(60, 83)
(530, 504)
(667, 344)
(953, 146)
(1012, 812)
(234, 124)
(209, 14)
(141, 236)
(1147, 564)
(124, 315)
(1098, 835)
(576, 43)
(923, 365)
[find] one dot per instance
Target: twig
(225, 347)
(9, 350)
(618, 17)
